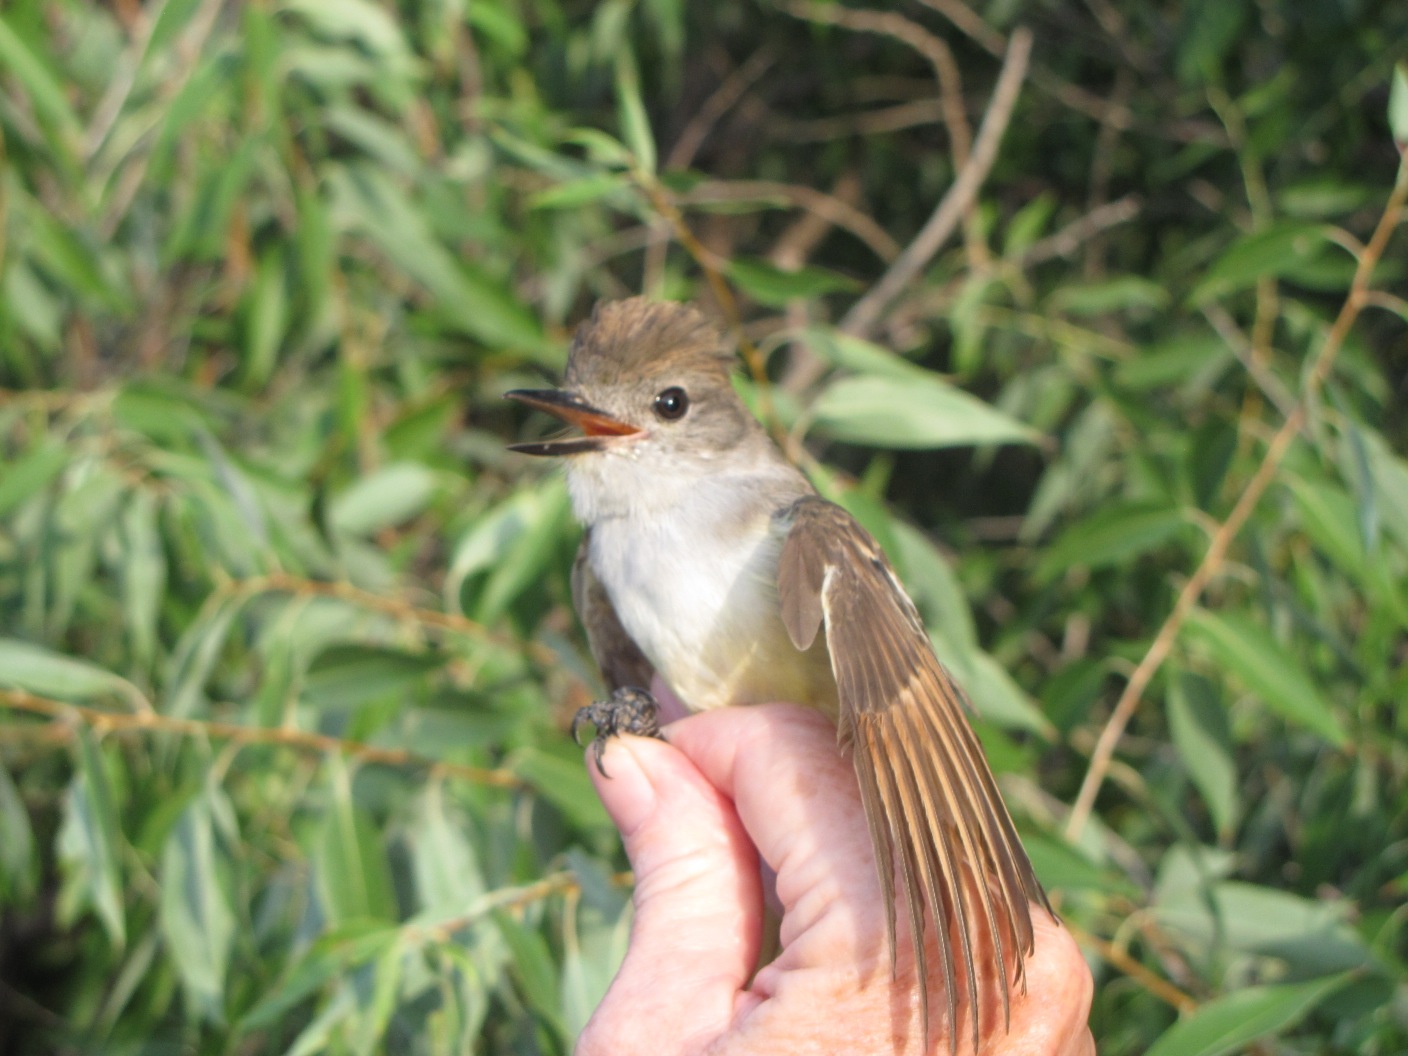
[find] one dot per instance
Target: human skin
(696, 812)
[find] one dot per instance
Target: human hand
(695, 812)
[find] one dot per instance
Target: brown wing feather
(930, 799)
(616, 653)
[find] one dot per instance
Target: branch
(1212, 561)
(561, 882)
(864, 314)
(933, 48)
(144, 722)
(1067, 240)
(1119, 958)
(281, 582)
(725, 96)
(826, 206)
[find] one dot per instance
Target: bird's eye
(672, 403)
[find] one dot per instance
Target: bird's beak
(599, 426)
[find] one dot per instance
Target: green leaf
(389, 496)
(267, 318)
(197, 918)
(499, 26)
(563, 783)
(1278, 250)
(39, 670)
(1198, 722)
(774, 286)
(1110, 536)
(19, 868)
(594, 941)
(21, 480)
(443, 858)
(1126, 293)
(143, 573)
(635, 125)
(1272, 672)
(1210, 454)
(859, 355)
(332, 956)
(45, 92)
(1228, 1024)
(353, 879)
(347, 676)
(511, 546)
(924, 412)
(1310, 937)
(534, 969)
(88, 846)
(1398, 105)
(574, 193)
(1209, 30)
(365, 199)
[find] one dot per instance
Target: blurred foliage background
(1098, 337)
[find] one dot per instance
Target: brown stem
(866, 312)
(123, 722)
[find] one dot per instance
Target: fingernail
(628, 794)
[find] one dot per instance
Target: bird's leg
(630, 709)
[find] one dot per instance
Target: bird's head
(649, 386)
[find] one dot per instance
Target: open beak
(598, 426)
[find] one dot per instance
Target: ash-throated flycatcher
(710, 560)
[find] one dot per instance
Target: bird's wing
(930, 799)
(616, 653)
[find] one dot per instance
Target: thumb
(698, 903)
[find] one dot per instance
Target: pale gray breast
(696, 588)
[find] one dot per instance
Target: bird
(710, 561)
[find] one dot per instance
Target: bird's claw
(628, 710)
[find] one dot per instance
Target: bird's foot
(629, 710)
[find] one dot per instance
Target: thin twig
(866, 312)
(940, 56)
(970, 22)
(1241, 346)
(828, 207)
(681, 155)
(723, 99)
(1217, 548)
(1070, 238)
(302, 740)
(934, 49)
(562, 882)
(282, 582)
(1156, 984)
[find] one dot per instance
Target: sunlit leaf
(24, 478)
(1275, 251)
(563, 783)
(1112, 535)
(197, 915)
(772, 285)
(391, 495)
(1229, 1023)
(353, 880)
(89, 846)
(1398, 105)
(918, 413)
(50, 674)
(1267, 668)
(1198, 722)
(635, 124)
